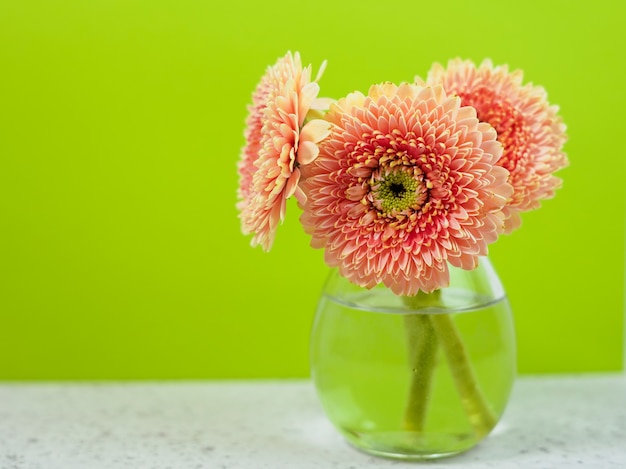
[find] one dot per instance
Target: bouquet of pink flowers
(402, 183)
(399, 183)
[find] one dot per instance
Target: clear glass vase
(414, 377)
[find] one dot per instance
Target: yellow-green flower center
(398, 191)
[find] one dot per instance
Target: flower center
(398, 190)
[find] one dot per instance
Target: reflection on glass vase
(416, 377)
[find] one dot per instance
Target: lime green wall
(120, 128)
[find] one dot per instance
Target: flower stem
(478, 411)
(422, 345)
(422, 353)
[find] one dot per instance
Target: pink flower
(404, 184)
(278, 143)
(528, 127)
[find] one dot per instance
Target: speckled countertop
(551, 422)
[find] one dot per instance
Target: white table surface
(551, 422)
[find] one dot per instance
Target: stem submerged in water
(422, 345)
(479, 413)
(424, 333)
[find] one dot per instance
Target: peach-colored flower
(530, 130)
(404, 184)
(278, 143)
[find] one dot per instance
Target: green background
(121, 123)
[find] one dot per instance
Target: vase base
(409, 446)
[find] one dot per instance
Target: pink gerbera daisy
(529, 129)
(404, 184)
(278, 143)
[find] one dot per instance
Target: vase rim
(452, 303)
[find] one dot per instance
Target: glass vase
(418, 377)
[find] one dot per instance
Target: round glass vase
(418, 377)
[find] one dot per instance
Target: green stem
(422, 345)
(479, 413)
